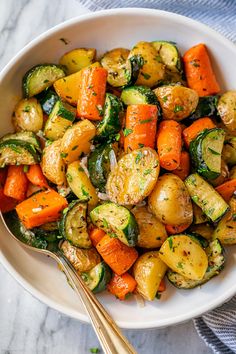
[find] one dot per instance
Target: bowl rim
(44, 36)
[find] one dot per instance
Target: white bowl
(106, 30)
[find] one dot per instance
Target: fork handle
(111, 338)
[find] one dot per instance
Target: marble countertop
(27, 325)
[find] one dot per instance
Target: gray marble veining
(26, 325)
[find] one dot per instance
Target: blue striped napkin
(217, 328)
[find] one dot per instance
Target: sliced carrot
(140, 126)
(177, 229)
(169, 144)
(16, 183)
(191, 132)
(6, 203)
(96, 235)
(41, 208)
(92, 93)
(199, 73)
(116, 254)
(162, 286)
(227, 189)
(32, 188)
(184, 167)
(36, 177)
(122, 285)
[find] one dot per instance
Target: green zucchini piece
(99, 165)
(138, 95)
(47, 235)
(73, 225)
(111, 122)
(216, 261)
(17, 152)
(40, 77)
(60, 119)
(205, 152)
(25, 136)
(116, 221)
(206, 197)
(48, 99)
(199, 239)
(169, 55)
(97, 278)
(207, 107)
(229, 151)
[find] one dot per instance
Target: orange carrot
(16, 183)
(195, 128)
(36, 177)
(92, 93)
(116, 254)
(184, 167)
(6, 203)
(177, 229)
(122, 285)
(199, 73)
(162, 286)
(32, 189)
(169, 144)
(227, 189)
(41, 208)
(96, 235)
(140, 126)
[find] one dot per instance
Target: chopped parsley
(74, 147)
(117, 137)
(213, 151)
(178, 108)
(64, 40)
(146, 76)
(164, 99)
(26, 169)
(127, 131)
(180, 265)
(69, 177)
(140, 145)
(234, 217)
(84, 192)
(195, 198)
(138, 156)
(170, 240)
(46, 81)
(94, 350)
(105, 223)
(145, 121)
(26, 109)
(64, 155)
(147, 172)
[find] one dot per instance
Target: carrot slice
(122, 285)
(96, 235)
(184, 167)
(195, 128)
(177, 229)
(140, 126)
(116, 254)
(227, 189)
(92, 93)
(36, 177)
(199, 73)
(6, 203)
(169, 144)
(41, 208)
(162, 286)
(16, 183)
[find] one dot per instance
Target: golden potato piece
(77, 59)
(226, 228)
(52, 164)
(28, 115)
(227, 110)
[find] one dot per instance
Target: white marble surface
(26, 325)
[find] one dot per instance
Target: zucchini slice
(28, 137)
(48, 99)
(138, 95)
(17, 152)
(206, 197)
(207, 107)
(99, 165)
(206, 151)
(116, 221)
(122, 71)
(61, 118)
(216, 262)
(77, 59)
(169, 55)
(40, 77)
(111, 122)
(97, 278)
(73, 225)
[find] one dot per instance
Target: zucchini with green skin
(99, 165)
(207, 107)
(169, 55)
(97, 278)
(138, 95)
(17, 152)
(206, 197)
(60, 119)
(73, 225)
(216, 261)
(116, 221)
(206, 150)
(111, 122)
(25, 136)
(229, 151)
(40, 77)
(47, 100)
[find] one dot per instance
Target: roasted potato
(185, 256)
(52, 164)
(229, 150)
(153, 70)
(170, 201)
(77, 59)
(152, 232)
(224, 175)
(28, 115)
(82, 259)
(226, 228)
(205, 230)
(232, 173)
(134, 177)
(198, 216)
(77, 140)
(177, 102)
(148, 273)
(227, 110)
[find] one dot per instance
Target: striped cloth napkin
(217, 328)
